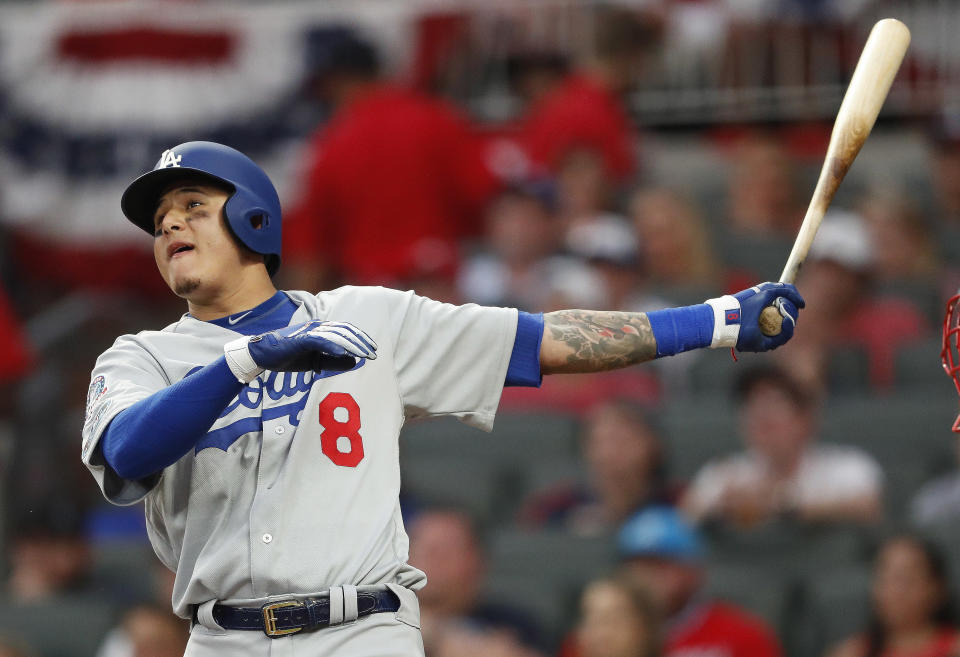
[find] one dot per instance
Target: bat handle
(771, 321)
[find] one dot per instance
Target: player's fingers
(365, 349)
(790, 292)
(327, 339)
(356, 331)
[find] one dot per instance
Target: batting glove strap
(239, 360)
(726, 321)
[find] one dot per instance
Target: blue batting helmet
(252, 210)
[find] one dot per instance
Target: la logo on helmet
(169, 159)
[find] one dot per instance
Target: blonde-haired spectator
(674, 246)
(618, 618)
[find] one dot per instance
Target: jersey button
(267, 538)
(279, 430)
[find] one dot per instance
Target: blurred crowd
(570, 205)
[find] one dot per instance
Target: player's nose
(173, 220)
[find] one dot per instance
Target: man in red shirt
(663, 553)
(394, 176)
(585, 111)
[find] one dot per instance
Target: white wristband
(240, 361)
(726, 321)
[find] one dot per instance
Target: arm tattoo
(595, 341)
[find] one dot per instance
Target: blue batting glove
(315, 345)
(736, 318)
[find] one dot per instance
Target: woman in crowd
(912, 612)
(617, 619)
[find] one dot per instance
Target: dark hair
(777, 377)
(339, 50)
(619, 31)
(944, 615)
(644, 607)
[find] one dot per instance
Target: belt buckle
(270, 619)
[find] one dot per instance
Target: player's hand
(315, 345)
(737, 317)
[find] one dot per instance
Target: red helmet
(950, 354)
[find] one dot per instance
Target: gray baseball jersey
(294, 489)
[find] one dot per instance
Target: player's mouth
(178, 248)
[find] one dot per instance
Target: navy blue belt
(283, 617)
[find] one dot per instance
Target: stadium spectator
(391, 169)
(661, 552)
(147, 631)
(938, 502)
(912, 611)
(837, 280)
(784, 472)
(584, 112)
(903, 247)
(674, 243)
(445, 544)
(618, 618)
(522, 266)
(945, 142)
(763, 198)
(626, 472)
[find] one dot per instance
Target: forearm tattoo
(596, 341)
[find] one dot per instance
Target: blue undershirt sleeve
(681, 329)
(524, 368)
(156, 431)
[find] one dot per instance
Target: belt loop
(205, 615)
(350, 611)
(336, 605)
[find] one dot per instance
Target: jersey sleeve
(452, 360)
(123, 375)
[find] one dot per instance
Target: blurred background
(542, 154)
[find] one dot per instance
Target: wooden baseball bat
(868, 88)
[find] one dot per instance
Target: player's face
(195, 252)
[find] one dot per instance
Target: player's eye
(193, 204)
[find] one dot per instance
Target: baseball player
(261, 429)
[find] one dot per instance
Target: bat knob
(770, 321)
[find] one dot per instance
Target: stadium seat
(516, 437)
(69, 626)
(567, 560)
(696, 432)
(836, 604)
(766, 592)
(126, 568)
(848, 370)
(476, 487)
(555, 564)
(917, 367)
(908, 434)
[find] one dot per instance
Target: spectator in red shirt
(392, 170)
(585, 111)
(663, 553)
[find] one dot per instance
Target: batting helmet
(252, 210)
